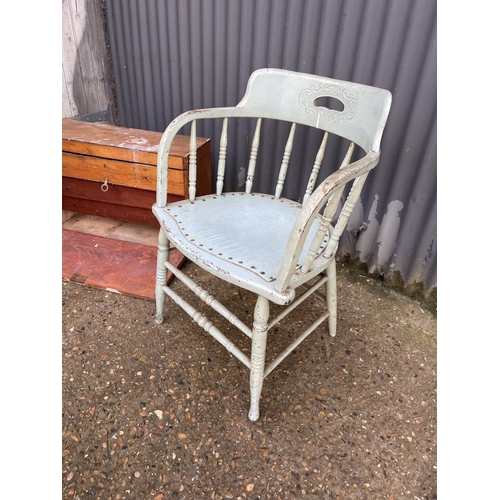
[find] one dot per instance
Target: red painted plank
(115, 265)
(111, 211)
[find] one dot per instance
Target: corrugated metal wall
(175, 55)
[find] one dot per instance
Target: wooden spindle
(347, 209)
(284, 163)
(346, 161)
(348, 155)
(315, 170)
(253, 157)
(324, 222)
(326, 219)
(221, 167)
(209, 299)
(192, 163)
(208, 326)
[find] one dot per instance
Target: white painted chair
(261, 242)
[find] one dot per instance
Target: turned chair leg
(258, 356)
(161, 274)
(331, 297)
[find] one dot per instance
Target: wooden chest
(110, 171)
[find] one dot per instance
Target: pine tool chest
(110, 171)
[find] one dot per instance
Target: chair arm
(310, 210)
(168, 136)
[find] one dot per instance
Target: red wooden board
(111, 264)
(118, 202)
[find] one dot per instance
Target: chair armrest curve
(310, 210)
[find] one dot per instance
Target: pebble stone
(160, 411)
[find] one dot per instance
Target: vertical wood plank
(84, 58)
(72, 32)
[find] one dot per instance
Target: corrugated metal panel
(171, 56)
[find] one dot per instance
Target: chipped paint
(388, 233)
(367, 240)
(242, 176)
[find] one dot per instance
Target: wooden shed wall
(86, 79)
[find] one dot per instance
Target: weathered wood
(85, 86)
(117, 212)
(285, 161)
(253, 157)
(258, 356)
(161, 274)
(119, 195)
(192, 163)
(126, 144)
(110, 264)
(208, 326)
(347, 209)
(315, 170)
(210, 300)
(118, 158)
(297, 302)
(221, 167)
(118, 202)
(262, 243)
(136, 175)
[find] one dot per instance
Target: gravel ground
(160, 411)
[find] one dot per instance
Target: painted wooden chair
(262, 242)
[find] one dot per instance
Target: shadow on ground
(160, 412)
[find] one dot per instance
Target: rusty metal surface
(168, 57)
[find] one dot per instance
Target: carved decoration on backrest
(335, 90)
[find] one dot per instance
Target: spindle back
(359, 115)
(263, 242)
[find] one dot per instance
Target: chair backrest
(277, 94)
(291, 96)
